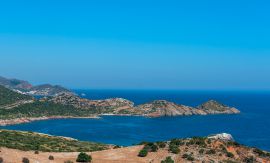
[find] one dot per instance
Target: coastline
(6, 122)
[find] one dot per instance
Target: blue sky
(137, 44)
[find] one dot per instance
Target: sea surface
(251, 127)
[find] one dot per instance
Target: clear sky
(140, 44)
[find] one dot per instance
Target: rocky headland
(157, 108)
(17, 107)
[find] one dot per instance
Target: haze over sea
(251, 127)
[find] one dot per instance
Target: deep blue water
(251, 127)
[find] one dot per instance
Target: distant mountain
(47, 90)
(15, 84)
(25, 87)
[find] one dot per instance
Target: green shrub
(249, 159)
(190, 158)
(201, 151)
(143, 153)
(154, 148)
(83, 157)
(177, 142)
(174, 149)
(259, 152)
(168, 160)
(51, 158)
(211, 151)
(161, 144)
(117, 146)
(150, 147)
(25, 160)
(229, 154)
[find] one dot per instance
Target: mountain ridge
(24, 87)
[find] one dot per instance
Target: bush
(229, 154)
(83, 157)
(161, 144)
(201, 151)
(168, 160)
(117, 146)
(154, 148)
(25, 160)
(259, 152)
(150, 147)
(211, 151)
(190, 158)
(174, 149)
(249, 159)
(36, 152)
(143, 153)
(1, 160)
(51, 158)
(185, 155)
(176, 142)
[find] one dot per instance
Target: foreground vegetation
(207, 149)
(40, 142)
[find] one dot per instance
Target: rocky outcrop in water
(214, 107)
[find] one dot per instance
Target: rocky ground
(215, 152)
(214, 149)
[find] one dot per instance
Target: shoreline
(6, 122)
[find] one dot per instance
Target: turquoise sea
(251, 127)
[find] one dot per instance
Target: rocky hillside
(220, 148)
(9, 98)
(213, 107)
(25, 87)
(153, 109)
(166, 108)
(213, 149)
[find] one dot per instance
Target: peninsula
(20, 107)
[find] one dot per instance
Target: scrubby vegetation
(51, 157)
(40, 142)
(25, 160)
(143, 153)
(83, 157)
(43, 108)
(8, 97)
(168, 160)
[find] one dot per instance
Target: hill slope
(213, 149)
(41, 142)
(27, 88)
(8, 97)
